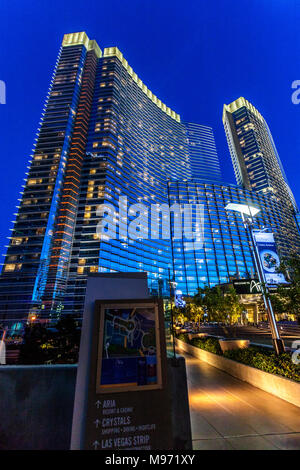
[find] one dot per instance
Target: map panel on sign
(129, 354)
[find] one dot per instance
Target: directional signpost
(122, 400)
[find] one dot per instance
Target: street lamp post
(172, 284)
(250, 211)
(3, 348)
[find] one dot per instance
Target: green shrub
(254, 356)
(266, 360)
(183, 337)
(208, 344)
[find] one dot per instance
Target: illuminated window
(9, 267)
(87, 213)
(16, 241)
(35, 181)
(12, 267)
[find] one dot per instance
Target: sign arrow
(98, 404)
(95, 444)
(97, 422)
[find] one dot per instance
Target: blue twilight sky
(194, 55)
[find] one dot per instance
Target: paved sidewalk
(227, 413)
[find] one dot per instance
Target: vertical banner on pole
(269, 258)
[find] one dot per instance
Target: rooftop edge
(82, 38)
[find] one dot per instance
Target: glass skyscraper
(106, 141)
(103, 135)
(258, 167)
(203, 153)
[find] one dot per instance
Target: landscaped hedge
(183, 337)
(210, 344)
(254, 356)
(266, 360)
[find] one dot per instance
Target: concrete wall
(177, 380)
(281, 387)
(36, 406)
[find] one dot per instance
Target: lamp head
(245, 209)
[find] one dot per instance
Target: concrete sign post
(122, 399)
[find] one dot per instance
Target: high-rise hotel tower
(258, 167)
(105, 137)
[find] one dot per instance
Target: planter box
(197, 335)
(229, 344)
(281, 387)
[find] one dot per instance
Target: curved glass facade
(203, 153)
(258, 167)
(226, 252)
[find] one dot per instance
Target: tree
(194, 310)
(67, 340)
(32, 351)
(214, 303)
(235, 309)
(222, 306)
(51, 345)
(287, 298)
(179, 315)
(233, 306)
